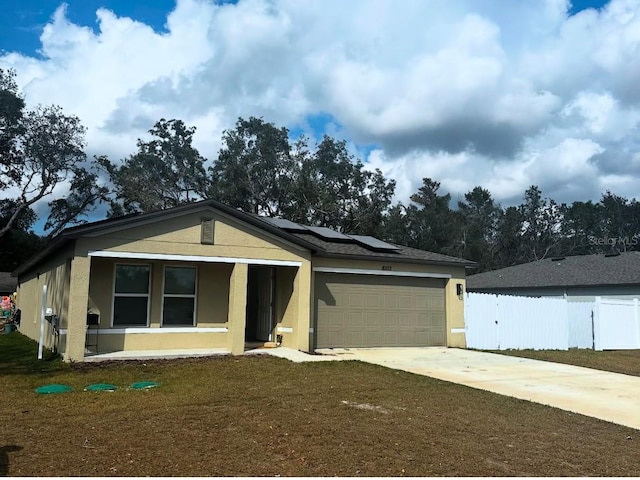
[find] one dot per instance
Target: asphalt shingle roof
(402, 254)
(574, 271)
(316, 244)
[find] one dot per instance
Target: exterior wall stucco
(78, 306)
(108, 342)
(181, 236)
(303, 287)
(237, 308)
(55, 274)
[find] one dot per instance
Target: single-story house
(207, 276)
(578, 278)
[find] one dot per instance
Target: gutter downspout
(42, 320)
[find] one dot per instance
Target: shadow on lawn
(19, 355)
(4, 458)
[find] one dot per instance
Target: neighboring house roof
(574, 271)
(7, 282)
(320, 241)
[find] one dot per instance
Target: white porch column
(237, 316)
(77, 313)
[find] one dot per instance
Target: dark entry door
(260, 303)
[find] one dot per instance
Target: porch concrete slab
(608, 396)
(295, 355)
(155, 354)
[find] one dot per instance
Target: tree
(620, 222)
(11, 115)
(259, 171)
(19, 243)
(479, 217)
(167, 171)
(509, 249)
(85, 192)
(395, 228)
(541, 227)
(432, 223)
(48, 154)
(41, 150)
(255, 171)
(582, 228)
(340, 193)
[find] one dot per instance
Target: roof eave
(346, 256)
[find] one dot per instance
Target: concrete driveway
(609, 396)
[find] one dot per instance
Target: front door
(260, 303)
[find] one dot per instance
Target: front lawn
(266, 416)
(618, 361)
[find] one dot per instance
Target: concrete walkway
(609, 396)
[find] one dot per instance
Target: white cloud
(472, 92)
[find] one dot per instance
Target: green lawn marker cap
(144, 385)
(100, 387)
(53, 388)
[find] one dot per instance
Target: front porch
(170, 306)
(290, 354)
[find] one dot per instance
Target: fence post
(466, 318)
(597, 344)
(497, 320)
(635, 319)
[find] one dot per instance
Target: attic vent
(557, 259)
(206, 231)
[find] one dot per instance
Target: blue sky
(21, 21)
(500, 94)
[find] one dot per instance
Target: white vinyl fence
(502, 322)
(580, 320)
(616, 325)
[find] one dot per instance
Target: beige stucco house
(206, 276)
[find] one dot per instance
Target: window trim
(130, 295)
(194, 296)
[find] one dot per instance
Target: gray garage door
(379, 311)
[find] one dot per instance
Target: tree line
(260, 169)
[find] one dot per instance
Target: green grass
(618, 361)
(256, 415)
(19, 355)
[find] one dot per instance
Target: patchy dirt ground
(265, 416)
(619, 361)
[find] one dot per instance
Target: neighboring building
(579, 278)
(7, 284)
(207, 276)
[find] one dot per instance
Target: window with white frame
(179, 296)
(131, 295)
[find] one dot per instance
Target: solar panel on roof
(328, 234)
(374, 243)
(284, 224)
